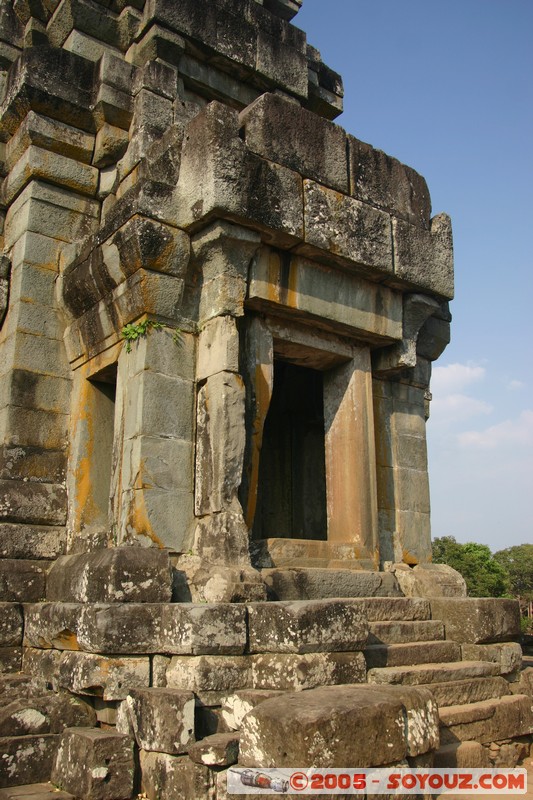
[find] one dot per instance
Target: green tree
(518, 562)
(484, 575)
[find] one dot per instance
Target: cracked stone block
(160, 720)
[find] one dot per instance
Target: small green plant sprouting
(134, 331)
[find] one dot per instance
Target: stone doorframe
(351, 490)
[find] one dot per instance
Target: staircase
(119, 697)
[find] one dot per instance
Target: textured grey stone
(306, 671)
(27, 759)
(365, 727)
(50, 713)
(11, 624)
(94, 763)
(109, 678)
(488, 720)
(218, 750)
(166, 777)
(52, 625)
(306, 627)
(425, 258)
(236, 706)
(22, 580)
(478, 620)
(319, 583)
(125, 574)
(160, 720)
(212, 673)
(508, 655)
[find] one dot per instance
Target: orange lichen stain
(138, 519)
(66, 640)
(292, 291)
(85, 507)
(409, 558)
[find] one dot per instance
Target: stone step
(35, 791)
(454, 693)
(399, 632)
(488, 720)
(411, 654)
(316, 582)
(432, 673)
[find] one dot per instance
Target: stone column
(350, 455)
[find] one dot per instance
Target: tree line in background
(507, 573)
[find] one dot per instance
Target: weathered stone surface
(507, 655)
(382, 181)
(218, 750)
(32, 503)
(110, 678)
(204, 582)
(211, 673)
(432, 673)
(165, 777)
(38, 164)
(52, 625)
(488, 720)
(172, 628)
(430, 580)
(37, 791)
(11, 623)
(95, 764)
(220, 442)
(145, 243)
(236, 706)
(316, 148)
(160, 720)
(365, 727)
(42, 665)
(320, 583)
(22, 580)
(461, 755)
(306, 627)
(398, 632)
(218, 348)
(10, 659)
(223, 538)
(347, 228)
(478, 620)
(459, 692)
(411, 653)
(425, 258)
(126, 574)
(50, 713)
(31, 541)
(27, 759)
(306, 671)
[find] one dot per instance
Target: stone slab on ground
(95, 764)
(341, 726)
(306, 626)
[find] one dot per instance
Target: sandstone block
(50, 713)
(432, 673)
(293, 583)
(316, 148)
(218, 750)
(109, 678)
(391, 655)
(220, 442)
(203, 582)
(508, 655)
(11, 623)
(160, 720)
(488, 720)
(211, 673)
(22, 580)
(236, 706)
(36, 163)
(382, 181)
(119, 628)
(95, 764)
(10, 659)
(110, 145)
(218, 348)
(218, 629)
(460, 692)
(425, 258)
(306, 671)
(430, 580)
(27, 759)
(41, 791)
(347, 228)
(478, 620)
(125, 574)
(223, 538)
(364, 727)
(42, 665)
(165, 777)
(49, 134)
(145, 243)
(398, 632)
(306, 627)
(32, 503)
(461, 755)
(52, 625)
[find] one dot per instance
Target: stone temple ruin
(218, 316)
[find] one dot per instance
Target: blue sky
(448, 89)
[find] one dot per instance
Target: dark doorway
(291, 498)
